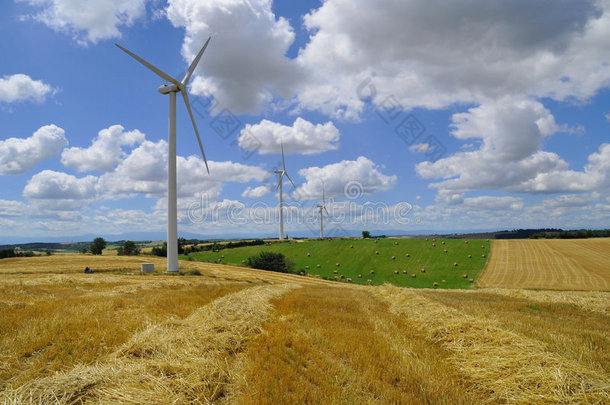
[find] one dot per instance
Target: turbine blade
(283, 161)
(280, 179)
(290, 179)
(326, 210)
(189, 73)
(151, 67)
(188, 107)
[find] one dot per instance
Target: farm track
(549, 264)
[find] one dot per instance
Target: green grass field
(361, 259)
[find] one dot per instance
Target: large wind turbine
(281, 174)
(172, 209)
(322, 207)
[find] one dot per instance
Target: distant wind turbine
(281, 174)
(172, 203)
(322, 207)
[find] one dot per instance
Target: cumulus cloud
(348, 178)
(144, 171)
(18, 155)
(302, 137)
(20, 87)
(431, 55)
(52, 185)
(509, 158)
(87, 21)
(245, 64)
(256, 192)
(105, 150)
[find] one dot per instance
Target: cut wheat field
(241, 336)
(564, 264)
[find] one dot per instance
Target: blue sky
(411, 115)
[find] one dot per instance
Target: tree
(160, 250)
(366, 234)
(129, 248)
(270, 261)
(97, 246)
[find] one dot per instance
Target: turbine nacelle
(165, 89)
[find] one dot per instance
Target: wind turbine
(281, 174)
(172, 203)
(322, 207)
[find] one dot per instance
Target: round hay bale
(434, 245)
(342, 276)
(222, 256)
(433, 240)
(369, 282)
(445, 250)
(455, 264)
(470, 256)
(302, 273)
(335, 271)
(426, 239)
(393, 257)
(349, 280)
(377, 252)
(465, 275)
(466, 242)
(435, 284)
(372, 272)
(396, 272)
(317, 265)
(482, 246)
(359, 275)
(423, 270)
(306, 267)
(442, 281)
(483, 256)
(471, 281)
(404, 272)
(337, 264)
(443, 242)
(308, 254)
(351, 246)
(413, 275)
(407, 255)
(395, 243)
(337, 278)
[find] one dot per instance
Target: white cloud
(144, 171)
(256, 192)
(420, 147)
(20, 87)
(105, 151)
(17, 155)
(464, 52)
(50, 184)
(510, 156)
(12, 208)
(245, 63)
(88, 21)
(607, 116)
(348, 178)
(302, 137)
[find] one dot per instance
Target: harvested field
(236, 335)
(562, 264)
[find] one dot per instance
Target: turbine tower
(322, 207)
(281, 174)
(172, 203)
